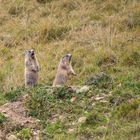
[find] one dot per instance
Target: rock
(12, 137)
(119, 85)
(62, 118)
(1, 135)
(101, 129)
(73, 99)
(104, 101)
(93, 104)
(98, 98)
(36, 135)
(73, 88)
(71, 130)
(83, 89)
(82, 120)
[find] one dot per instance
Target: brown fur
(31, 69)
(64, 71)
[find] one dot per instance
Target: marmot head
(31, 54)
(67, 59)
(65, 64)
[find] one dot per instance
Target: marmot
(64, 71)
(31, 69)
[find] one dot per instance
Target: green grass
(103, 30)
(103, 37)
(25, 134)
(15, 94)
(2, 119)
(2, 99)
(103, 119)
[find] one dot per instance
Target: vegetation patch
(111, 8)
(24, 134)
(2, 119)
(101, 80)
(133, 59)
(15, 94)
(53, 129)
(43, 102)
(43, 1)
(54, 33)
(129, 110)
(103, 37)
(15, 11)
(94, 119)
(70, 5)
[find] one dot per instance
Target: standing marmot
(31, 69)
(64, 71)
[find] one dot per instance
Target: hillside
(104, 38)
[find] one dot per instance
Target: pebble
(82, 120)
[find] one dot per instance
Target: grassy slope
(101, 35)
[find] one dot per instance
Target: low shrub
(14, 94)
(2, 118)
(53, 33)
(128, 111)
(101, 80)
(24, 134)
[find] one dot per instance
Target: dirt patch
(17, 118)
(16, 112)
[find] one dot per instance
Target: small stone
(83, 89)
(103, 101)
(98, 98)
(73, 123)
(1, 134)
(119, 85)
(62, 118)
(71, 130)
(73, 99)
(82, 120)
(36, 135)
(12, 137)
